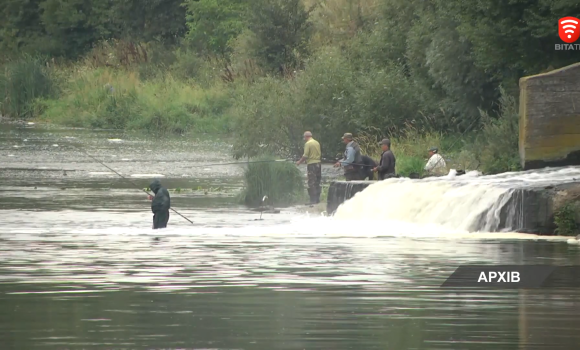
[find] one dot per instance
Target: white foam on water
(11, 155)
(30, 123)
(451, 203)
(115, 140)
(100, 173)
(55, 145)
(147, 175)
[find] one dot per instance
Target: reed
(22, 81)
(282, 182)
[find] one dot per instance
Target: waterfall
(468, 203)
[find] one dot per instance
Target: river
(80, 267)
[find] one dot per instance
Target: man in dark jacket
(367, 169)
(160, 205)
(386, 168)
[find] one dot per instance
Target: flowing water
(466, 203)
(80, 267)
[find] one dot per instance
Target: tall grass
(282, 182)
(119, 99)
(21, 82)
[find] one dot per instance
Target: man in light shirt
(436, 164)
(312, 157)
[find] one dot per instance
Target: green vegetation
(324, 193)
(102, 98)
(423, 73)
(565, 220)
(282, 182)
(21, 83)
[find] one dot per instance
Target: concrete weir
(528, 209)
(341, 191)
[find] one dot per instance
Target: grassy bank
(125, 98)
(105, 98)
(264, 116)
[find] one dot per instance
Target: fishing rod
(128, 180)
(247, 162)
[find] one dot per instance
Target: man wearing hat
(436, 164)
(312, 156)
(386, 168)
(352, 160)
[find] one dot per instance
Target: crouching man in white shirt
(436, 164)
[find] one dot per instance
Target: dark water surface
(80, 267)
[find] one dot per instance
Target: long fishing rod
(242, 163)
(128, 180)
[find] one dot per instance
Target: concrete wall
(341, 191)
(550, 118)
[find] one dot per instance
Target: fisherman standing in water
(160, 205)
(312, 157)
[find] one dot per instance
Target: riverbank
(166, 100)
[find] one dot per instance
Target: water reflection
(94, 289)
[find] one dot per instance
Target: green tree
(147, 20)
(76, 24)
(213, 24)
(513, 38)
(282, 30)
(20, 26)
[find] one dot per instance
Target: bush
(565, 220)
(496, 147)
(282, 182)
(406, 165)
(188, 66)
(22, 82)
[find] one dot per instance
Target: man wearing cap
(386, 168)
(312, 156)
(352, 159)
(436, 164)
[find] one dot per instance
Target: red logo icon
(569, 29)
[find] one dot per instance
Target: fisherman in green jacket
(160, 205)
